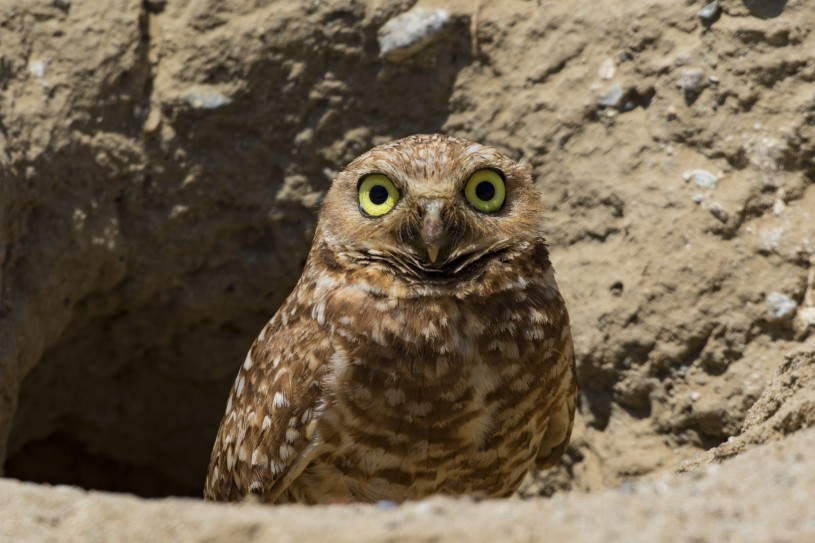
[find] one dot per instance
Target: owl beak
(432, 233)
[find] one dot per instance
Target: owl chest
(432, 404)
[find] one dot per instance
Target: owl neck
(400, 320)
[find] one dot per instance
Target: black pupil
(379, 194)
(485, 191)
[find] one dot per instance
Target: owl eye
(377, 195)
(485, 190)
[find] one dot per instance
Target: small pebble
(612, 97)
(718, 211)
(205, 97)
(703, 178)
(807, 316)
(628, 106)
(698, 197)
(178, 210)
(407, 34)
(709, 12)
(714, 79)
(692, 81)
(771, 237)
(681, 59)
(607, 69)
(37, 68)
(781, 306)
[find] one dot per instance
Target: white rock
(807, 316)
(408, 33)
(692, 81)
(612, 97)
(607, 69)
(771, 237)
(781, 306)
(709, 12)
(37, 68)
(703, 178)
(206, 97)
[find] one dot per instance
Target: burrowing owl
(425, 349)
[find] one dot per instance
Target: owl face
(430, 208)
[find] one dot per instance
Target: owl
(425, 349)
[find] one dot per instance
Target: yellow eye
(485, 191)
(377, 195)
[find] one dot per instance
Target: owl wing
(267, 436)
(561, 419)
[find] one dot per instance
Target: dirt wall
(162, 164)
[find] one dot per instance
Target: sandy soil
(161, 168)
(669, 508)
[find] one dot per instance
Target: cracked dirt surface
(162, 164)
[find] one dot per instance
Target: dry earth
(666, 509)
(161, 167)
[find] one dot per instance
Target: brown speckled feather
(271, 411)
(391, 374)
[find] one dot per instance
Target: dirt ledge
(691, 507)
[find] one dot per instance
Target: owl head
(431, 209)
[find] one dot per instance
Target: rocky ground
(162, 164)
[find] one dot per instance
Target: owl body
(425, 351)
